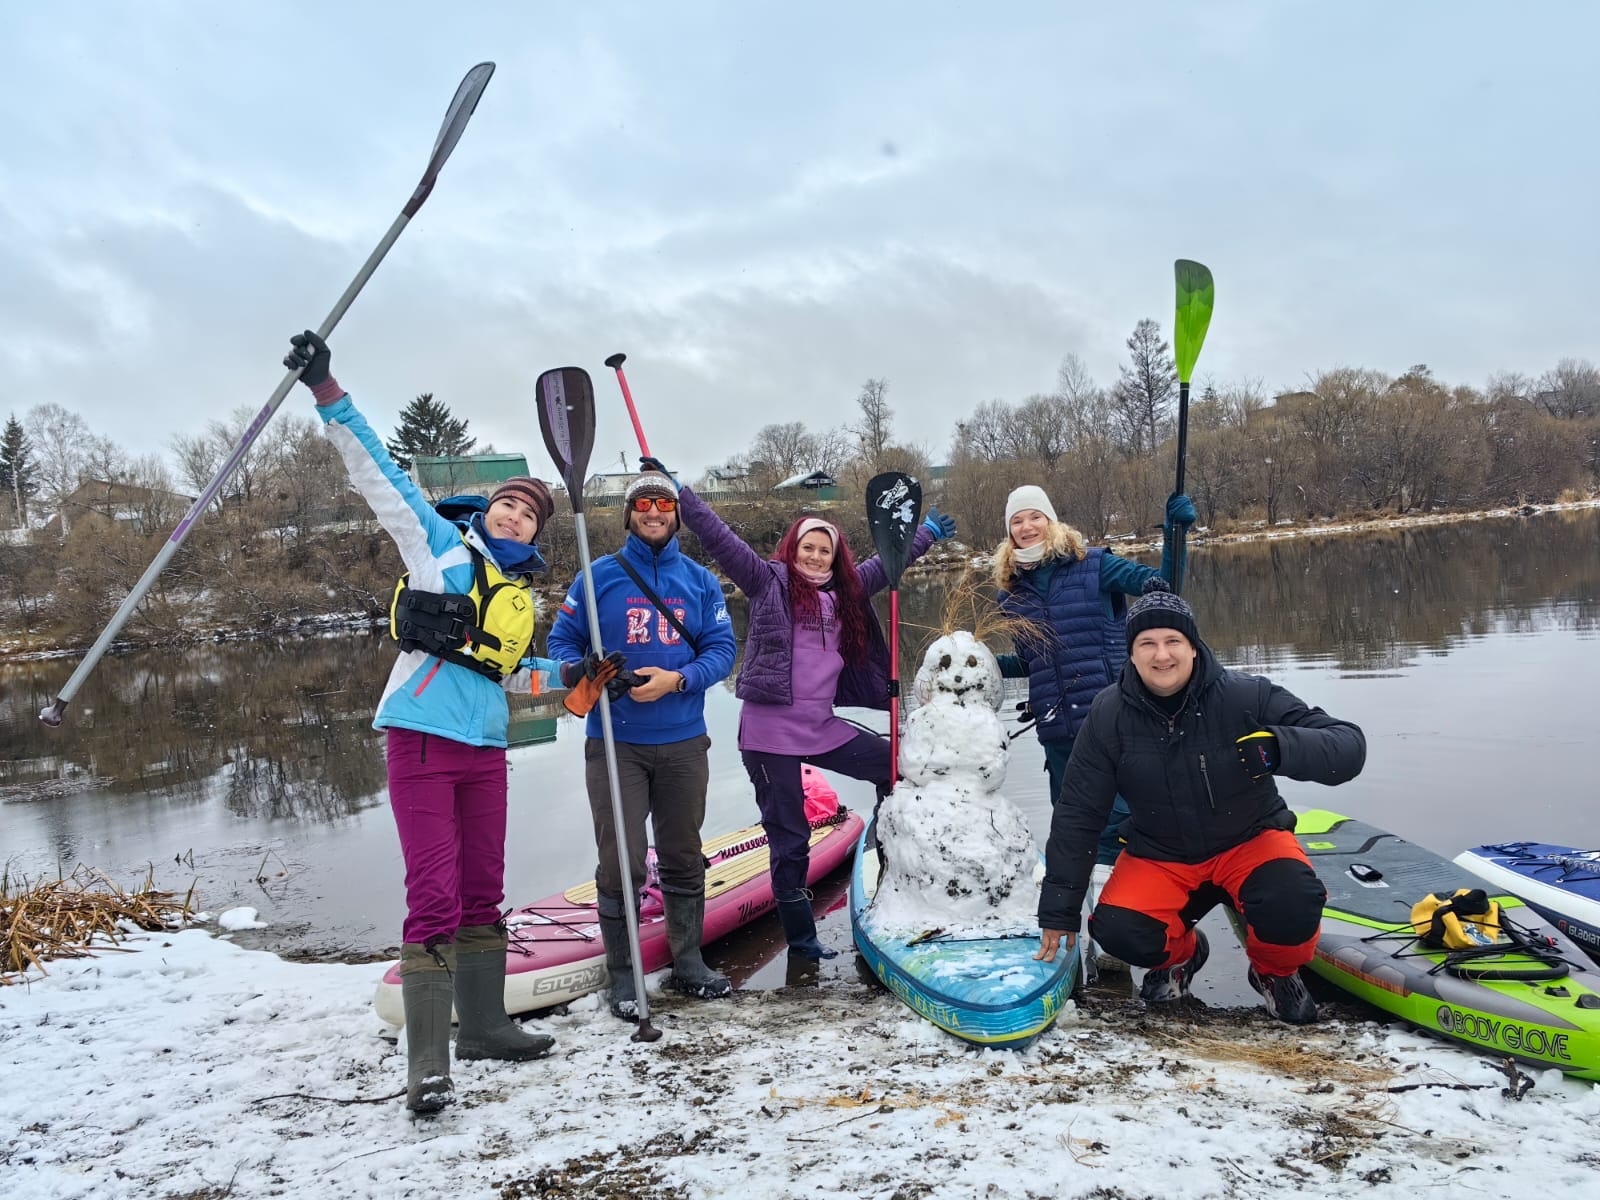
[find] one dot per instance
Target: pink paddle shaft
(633, 415)
(894, 686)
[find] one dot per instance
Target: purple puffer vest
(765, 675)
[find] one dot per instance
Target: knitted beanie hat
(647, 483)
(1161, 608)
(532, 492)
(1026, 497)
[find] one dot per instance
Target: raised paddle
(894, 508)
(566, 420)
(455, 120)
(1196, 295)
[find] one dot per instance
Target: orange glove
(587, 680)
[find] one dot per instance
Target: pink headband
(810, 523)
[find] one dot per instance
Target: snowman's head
(958, 669)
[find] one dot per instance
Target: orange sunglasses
(662, 503)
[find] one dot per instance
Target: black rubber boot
(486, 1031)
(426, 992)
(800, 926)
(623, 1000)
(685, 929)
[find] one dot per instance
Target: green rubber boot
(426, 992)
(622, 999)
(486, 1031)
(685, 929)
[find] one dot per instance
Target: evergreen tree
(427, 428)
(16, 467)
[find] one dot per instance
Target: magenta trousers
(449, 803)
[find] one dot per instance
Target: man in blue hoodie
(659, 727)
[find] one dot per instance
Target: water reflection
(284, 728)
(1372, 602)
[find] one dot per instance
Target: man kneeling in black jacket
(1192, 748)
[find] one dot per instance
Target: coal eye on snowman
(972, 660)
(944, 662)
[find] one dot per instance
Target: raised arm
(750, 573)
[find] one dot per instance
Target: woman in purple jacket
(813, 642)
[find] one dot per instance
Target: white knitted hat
(1026, 497)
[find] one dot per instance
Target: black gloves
(584, 680)
(590, 667)
(311, 357)
(1258, 752)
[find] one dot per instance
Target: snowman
(959, 856)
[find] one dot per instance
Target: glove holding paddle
(584, 680)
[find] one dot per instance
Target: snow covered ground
(186, 1068)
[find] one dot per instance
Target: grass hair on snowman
(958, 855)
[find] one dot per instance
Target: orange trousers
(1148, 910)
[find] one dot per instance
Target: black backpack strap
(650, 595)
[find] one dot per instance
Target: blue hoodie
(629, 622)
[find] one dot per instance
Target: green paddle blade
(1196, 294)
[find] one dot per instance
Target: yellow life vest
(1461, 920)
(488, 630)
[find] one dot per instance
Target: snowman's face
(959, 668)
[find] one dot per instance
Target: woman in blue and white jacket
(444, 713)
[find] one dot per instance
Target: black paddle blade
(566, 421)
(462, 106)
(894, 506)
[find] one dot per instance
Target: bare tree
(1042, 430)
(1073, 381)
(831, 449)
(1145, 391)
(986, 434)
(200, 455)
(787, 449)
(873, 429)
(1571, 391)
(59, 438)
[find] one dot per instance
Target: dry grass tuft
(970, 604)
(1287, 1058)
(72, 916)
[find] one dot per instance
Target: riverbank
(943, 559)
(185, 1067)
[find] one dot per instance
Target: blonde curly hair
(1060, 541)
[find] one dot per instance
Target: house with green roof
(453, 475)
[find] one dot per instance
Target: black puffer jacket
(1190, 796)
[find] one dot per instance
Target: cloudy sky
(763, 205)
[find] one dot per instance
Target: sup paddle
(894, 508)
(615, 363)
(456, 117)
(1196, 294)
(566, 421)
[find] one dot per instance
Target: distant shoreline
(934, 564)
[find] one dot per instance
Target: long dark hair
(850, 604)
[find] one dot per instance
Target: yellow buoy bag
(1461, 920)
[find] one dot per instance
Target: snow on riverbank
(186, 1068)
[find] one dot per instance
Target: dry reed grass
(75, 915)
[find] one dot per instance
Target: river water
(249, 770)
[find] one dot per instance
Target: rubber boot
(426, 992)
(486, 1031)
(800, 926)
(685, 929)
(623, 1000)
